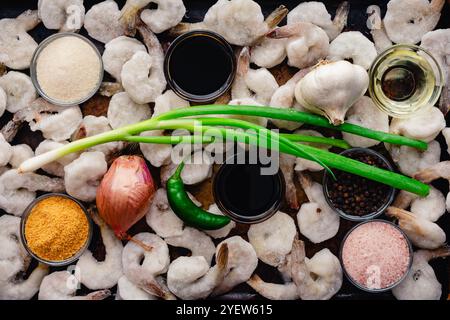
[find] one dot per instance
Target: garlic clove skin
(331, 88)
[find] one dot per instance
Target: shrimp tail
(406, 220)
(340, 19)
(274, 18)
(108, 89)
(437, 5)
(184, 27)
(222, 258)
(243, 62)
(432, 173)
(441, 252)
(403, 200)
(285, 31)
(128, 18)
(98, 295)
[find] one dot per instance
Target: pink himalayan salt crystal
(376, 255)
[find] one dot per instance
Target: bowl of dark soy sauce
(245, 192)
(354, 197)
(200, 66)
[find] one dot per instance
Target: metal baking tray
(195, 12)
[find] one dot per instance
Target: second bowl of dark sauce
(244, 193)
(200, 66)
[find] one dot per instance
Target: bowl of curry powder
(56, 229)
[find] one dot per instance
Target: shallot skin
(125, 193)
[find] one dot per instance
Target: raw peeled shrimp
(92, 125)
(123, 111)
(82, 176)
(6, 151)
(143, 74)
(14, 260)
(102, 274)
(18, 190)
(306, 44)
(437, 43)
(316, 219)
(421, 282)
(354, 46)
(284, 97)
(118, 51)
(55, 122)
(16, 45)
(425, 126)
(242, 262)
(143, 267)
(160, 217)
(411, 161)
(257, 84)
(422, 233)
(195, 241)
(198, 168)
(272, 239)
(365, 113)
(167, 15)
(55, 168)
(316, 13)
(142, 78)
(222, 232)
(63, 285)
(274, 291)
(431, 207)
(19, 89)
(127, 290)
(240, 22)
(269, 53)
(377, 30)
(308, 165)
(63, 15)
(406, 21)
(102, 21)
(317, 278)
(191, 278)
(20, 153)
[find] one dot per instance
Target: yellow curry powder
(56, 228)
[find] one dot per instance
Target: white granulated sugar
(68, 69)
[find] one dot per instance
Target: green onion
(170, 121)
(188, 139)
(293, 115)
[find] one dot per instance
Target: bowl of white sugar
(66, 69)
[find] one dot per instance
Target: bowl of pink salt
(66, 69)
(376, 255)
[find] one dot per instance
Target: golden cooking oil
(404, 80)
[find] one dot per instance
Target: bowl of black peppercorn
(356, 198)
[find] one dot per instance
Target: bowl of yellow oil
(405, 80)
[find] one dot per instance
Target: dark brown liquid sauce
(200, 65)
(245, 191)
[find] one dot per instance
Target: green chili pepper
(186, 209)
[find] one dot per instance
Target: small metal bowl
(218, 197)
(62, 262)
(367, 289)
(195, 97)
(389, 198)
(33, 71)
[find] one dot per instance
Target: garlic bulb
(330, 89)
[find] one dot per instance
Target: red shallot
(125, 194)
